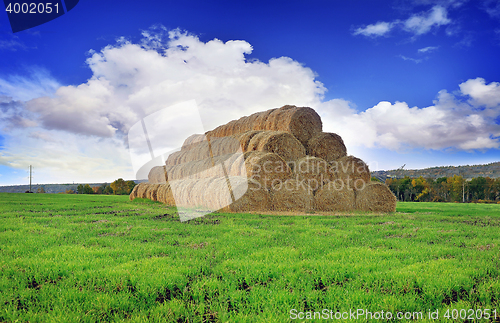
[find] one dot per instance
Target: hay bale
(245, 138)
(334, 197)
(352, 171)
(375, 197)
(200, 150)
(281, 143)
(193, 139)
(249, 195)
(173, 158)
(265, 168)
(133, 194)
(165, 195)
(302, 122)
(326, 145)
(260, 119)
(182, 191)
(151, 192)
(232, 194)
(141, 190)
(158, 175)
(292, 195)
(206, 168)
(313, 171)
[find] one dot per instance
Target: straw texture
(302, 122)
(326, 145)
(375, 197)
(292, 195)
(334, 197)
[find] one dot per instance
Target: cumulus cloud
(422, 23)
(379, 29)
(482, 94)
(417, 24)
(453, 121)
(131, 81)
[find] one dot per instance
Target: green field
(96, 258)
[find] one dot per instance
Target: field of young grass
(97, 258)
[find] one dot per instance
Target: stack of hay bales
(275, 160)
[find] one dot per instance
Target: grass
(94, 258)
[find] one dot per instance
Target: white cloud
(131, 81)
(379, 29)
(422, 23)
(451, 122)
(428, 49)
(39, 83)
(414, 60)
(417, 24)
(482, 94)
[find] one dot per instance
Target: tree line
(118, 187)
(445, 189)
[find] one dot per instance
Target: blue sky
(403, 82)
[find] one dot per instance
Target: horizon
(403, 82)
(145, 179)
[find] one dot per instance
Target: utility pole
(31, 172)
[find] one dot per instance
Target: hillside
(491, 170)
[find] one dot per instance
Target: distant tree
(97, 189)
(107, 190)
(70, 192)
(121, 187)
(87, 189)
(79, 189)
(130, 186)
(41, 189)
(477, 188)
(374, 179)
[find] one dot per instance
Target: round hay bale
(206, 168)
(214, 147)
(173, 158)
(352, 171)
(326, 145)
(292, 195)
(313, 171)
(302, 122)
(151, 192)
(249, 196)
(245, 138)
(141, 190)
(181, 190)
(193, 139)
(260, 119)
(197, 197)
(217, 195)
(334, 197)
(133, 194)
(165, 195)
(281, 143)
(375, 197)
(265, 168)
(158, 175)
